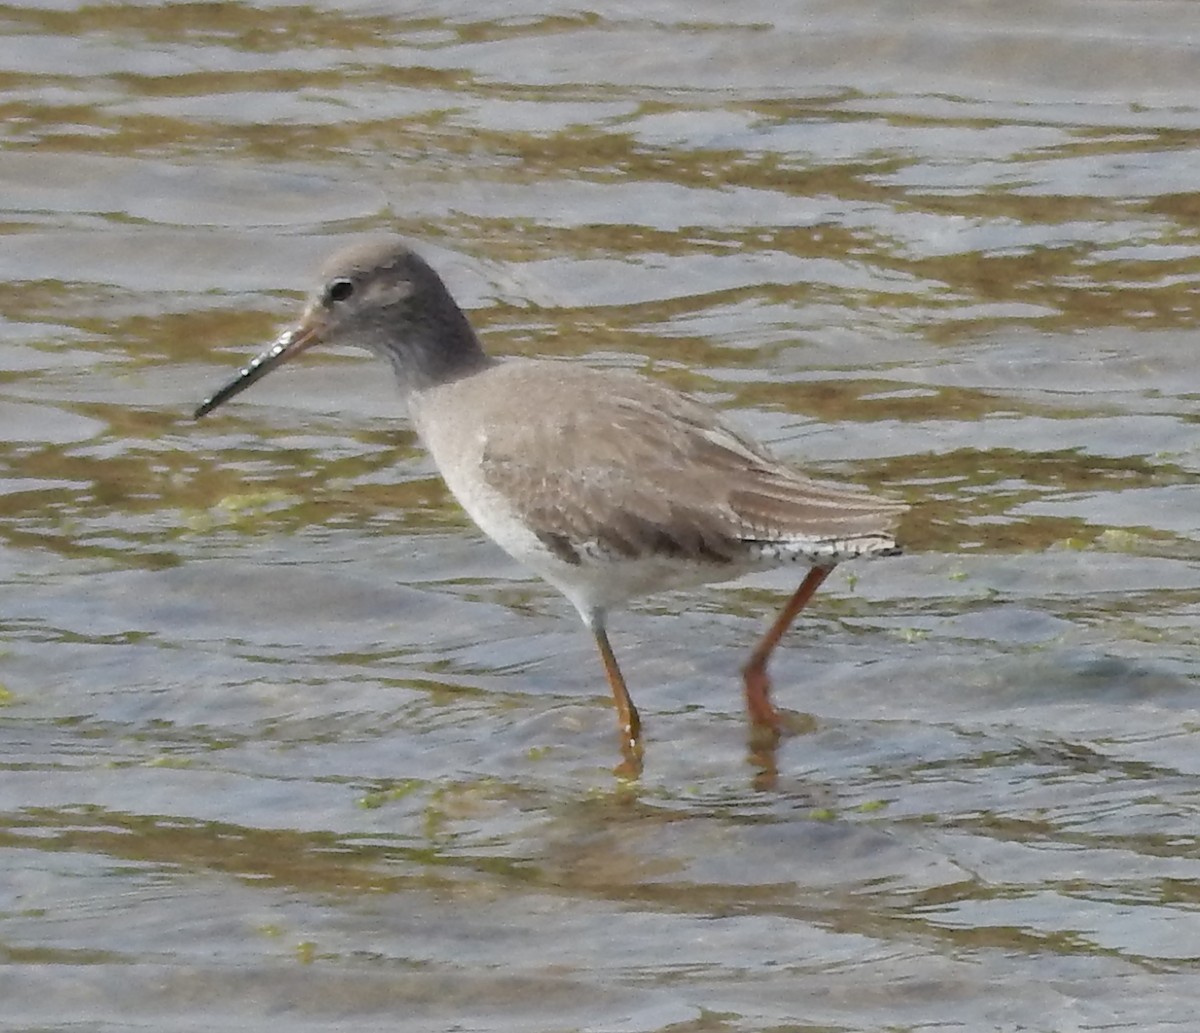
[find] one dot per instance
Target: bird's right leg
(627, 716)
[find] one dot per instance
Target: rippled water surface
(284, 739)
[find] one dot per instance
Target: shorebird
(607, 484)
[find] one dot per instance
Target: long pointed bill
(287, 345)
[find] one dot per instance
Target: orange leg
(627, 715)
(758, 686)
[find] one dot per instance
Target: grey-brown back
(608, 461)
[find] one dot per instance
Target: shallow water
(284, 739)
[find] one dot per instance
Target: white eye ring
(338, 290)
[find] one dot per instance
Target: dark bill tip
(289, 343)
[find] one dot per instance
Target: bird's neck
(438, 349)
(421, 373)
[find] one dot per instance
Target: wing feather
(648, 471)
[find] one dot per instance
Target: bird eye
(339, 290)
